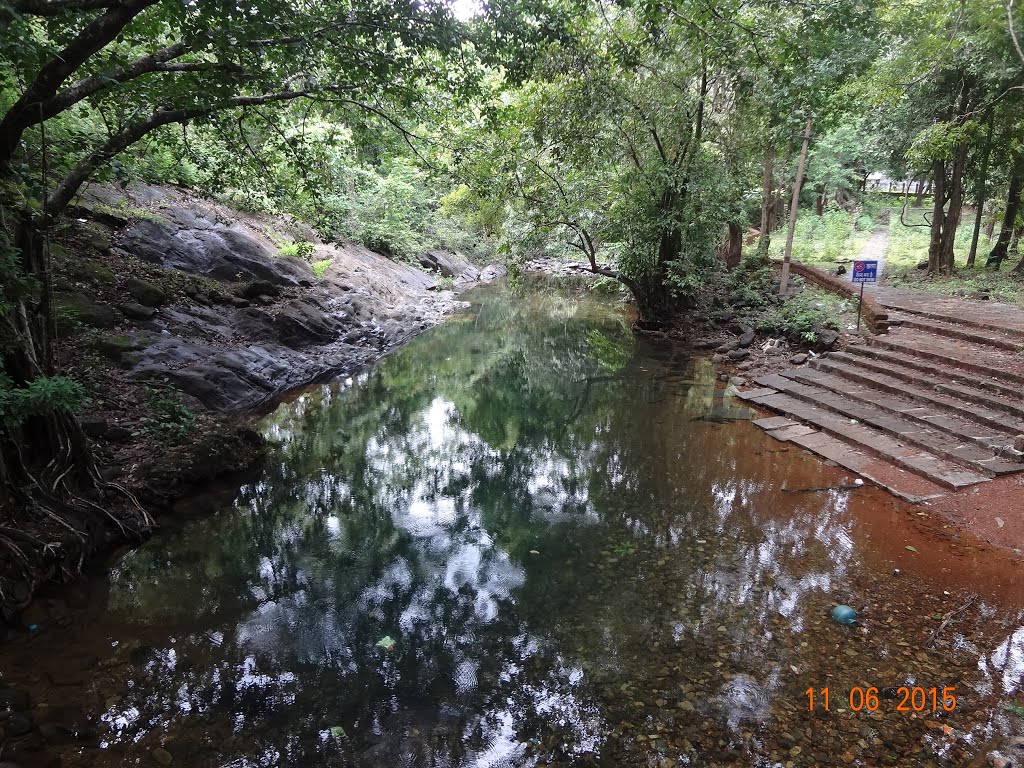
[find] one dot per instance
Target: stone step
(898, 428)
(962, 320)
(995, 364)
(991, 338)
(870, 440)
(899, 364)
(930, 391)
(952, 421)
(898, 482)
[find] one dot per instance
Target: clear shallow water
(529, 538)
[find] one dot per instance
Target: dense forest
(660, 143)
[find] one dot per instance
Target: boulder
(739, 354)
(798, 359)
(94, 426)
(444, 263)
(747, 338)
(136, 311)
(827, 338)
(492, 272)
(259, 288)
(78, 307)
(145, 292)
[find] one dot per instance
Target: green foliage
(802, 317)
(320, 268)
(40, 396)
(834, 235)
(299, 249)
(169, 417)
(753, 284)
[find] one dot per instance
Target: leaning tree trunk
(1013, 201)
(767, 199)
(982, 192)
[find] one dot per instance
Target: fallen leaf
(1000, 522)
(912, 549)
(387, 643)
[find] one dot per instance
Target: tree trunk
(767, 199)
(955, 209)
(979, 203)
(1013, 200)
(919, 199)
(732, 249)
(938, 217)
(819, 200)
(788, 252)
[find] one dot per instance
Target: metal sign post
(863, 272)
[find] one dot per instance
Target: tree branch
(65, 191)
(94, 37)
(57, 7)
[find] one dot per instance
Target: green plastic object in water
(844, 614)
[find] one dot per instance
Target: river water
(530, 538)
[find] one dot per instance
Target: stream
(530, 538)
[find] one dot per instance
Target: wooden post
(788, 253)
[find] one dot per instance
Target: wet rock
(94, 426)
(492, 272)
(136, 311)
(300, 324)
(18, 724)
(12, 699)
(798, 359)
(259, 288)
(72, 307)
(145, 292)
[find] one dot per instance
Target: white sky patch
(464, 10)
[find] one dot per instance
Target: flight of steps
(934, 405)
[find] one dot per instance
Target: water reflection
(525, 539)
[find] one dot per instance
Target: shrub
(170, 417)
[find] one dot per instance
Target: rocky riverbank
(184, 319)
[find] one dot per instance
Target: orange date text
(905, 699)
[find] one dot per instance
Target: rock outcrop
(263, 322)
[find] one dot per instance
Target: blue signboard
(865, 272)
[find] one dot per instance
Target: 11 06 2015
(902, 699)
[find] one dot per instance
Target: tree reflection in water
(549, 519)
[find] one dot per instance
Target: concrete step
(995, 364)
(912, 368)
(871, 441)
(923, 389)
(899, 482)
(896, 427)
(961, 320)
(985, 337)
(950, 420)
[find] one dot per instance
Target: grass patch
(908, 245)
(320, 268)
(837, 235)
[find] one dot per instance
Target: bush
(754, 283)
(803, 317)
(170, 417)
